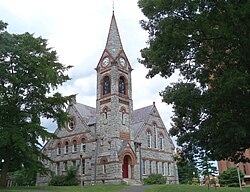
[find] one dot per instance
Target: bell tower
(114, 103)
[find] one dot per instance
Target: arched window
(74, 146)
(71, 123)
(59, 149)
(104, 161)
(122, 85)
(161, 142)
(123, 116)
(149, 139)
(66, 147)
(105, 113)
(106, 85)
(83, 148)
(155, 136)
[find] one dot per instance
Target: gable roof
(88, 113)
(139, 117)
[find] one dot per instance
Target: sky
(78, 30)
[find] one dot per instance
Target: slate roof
(88, 113)
(113, 44)
(139, 116)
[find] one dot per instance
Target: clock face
(105, 61)
(122, 61)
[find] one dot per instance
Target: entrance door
(125, 167)
(125, 170)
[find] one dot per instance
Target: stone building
(112, 143)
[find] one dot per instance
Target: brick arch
(66, 140)
(75, 138)
(105, 108)
(103, 160)
(72, 118)
(154, 123)
(123, 109)
(160, 133)
(82, 137)
(149, 130)
(130, 154)
(59, 142)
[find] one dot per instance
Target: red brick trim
(156, 150)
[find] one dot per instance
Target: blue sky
(77, 30)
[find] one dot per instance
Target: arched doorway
(126, 161)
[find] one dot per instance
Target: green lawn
(192, 188)
(115, 188)
(96, 188)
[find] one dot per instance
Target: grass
(89, 188)
(115, 188)
(193, 188)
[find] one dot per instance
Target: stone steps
(132, 182)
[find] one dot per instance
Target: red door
(125, 170)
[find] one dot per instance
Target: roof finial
(113, 6)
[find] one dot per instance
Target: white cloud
(77, 30)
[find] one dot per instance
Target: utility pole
(81, 170)
(238, 171)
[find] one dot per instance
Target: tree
(29, 72)
(230, 177)
(187, 168)
(205, 165)
(208, 44)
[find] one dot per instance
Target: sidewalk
(141, 188)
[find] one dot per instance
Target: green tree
(230, 177)
(208, 44)
(187, 169)
(205, 165)
(29, 72)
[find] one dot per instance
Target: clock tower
(114, 103)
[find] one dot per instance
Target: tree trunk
(5, 168)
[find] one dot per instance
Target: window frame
(122, 88)
(59, 150)
(106, 85)
(74, 146)
(66, 147)
(149, 139)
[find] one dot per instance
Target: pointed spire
(114, 44)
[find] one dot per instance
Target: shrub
(230, 177)
(195, 181)
(23, 177)
(65, 180)
(154, 179)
